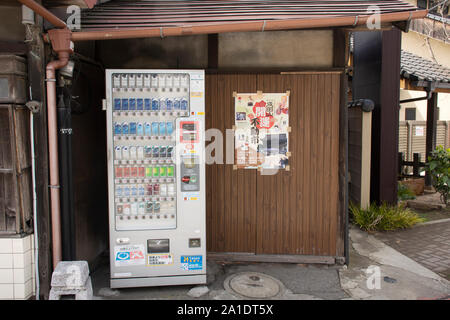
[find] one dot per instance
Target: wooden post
(366, 150)
(409, 137)
(36, 75)
(431, 130)
(340, 58)
(376, 76)
(401, 158)
(416, 165)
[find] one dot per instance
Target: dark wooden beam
(213, 51)
(341, 49)
(376, 76)
(432, 118)
(16, 48)
(389, 121)
(340, 60)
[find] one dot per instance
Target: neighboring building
(427, 42)
(425, 65)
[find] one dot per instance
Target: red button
(186, 179)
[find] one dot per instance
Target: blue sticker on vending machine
(191, 263)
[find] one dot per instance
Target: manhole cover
(253, 285)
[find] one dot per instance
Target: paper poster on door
(261, 130)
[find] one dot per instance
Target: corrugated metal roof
(125, 14)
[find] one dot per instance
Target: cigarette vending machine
(156, 177)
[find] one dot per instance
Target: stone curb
(432, 222)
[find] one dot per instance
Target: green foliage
(439, 168)
(404, 193)
(384, 217)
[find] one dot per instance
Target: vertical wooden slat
(209, 101)
(334, 187)
(328, 116)
(219, 187)
(320, 166)
(13, 210)
(299, 160)
(306, 166)
(314, 162)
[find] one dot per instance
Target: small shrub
(384, 217)
(404, 193)
(439, 168)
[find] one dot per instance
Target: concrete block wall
(17, 276)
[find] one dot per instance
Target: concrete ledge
(283, 258)
(431, 222)
(423, 205)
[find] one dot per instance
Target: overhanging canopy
(147, 18)
(417, 72)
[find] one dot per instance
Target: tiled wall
(17, 277)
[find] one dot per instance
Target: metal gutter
(426, 84)
(264, 25)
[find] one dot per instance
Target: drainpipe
(60, 39)
(427, 97)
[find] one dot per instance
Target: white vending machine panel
(156, 177)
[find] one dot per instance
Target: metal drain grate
(253, 285)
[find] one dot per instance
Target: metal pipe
(47, 15)
(33, 179)
(53, 153)
(65, 166)
(266, 25)
(427, 97)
